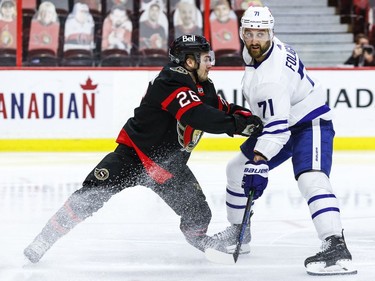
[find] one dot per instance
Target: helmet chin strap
(269, 48)
(194, 71)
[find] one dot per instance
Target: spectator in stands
(363, 52)
(152, 35)
(244, 4)
(117, 30)
(8, 24)
(187, 19)
(8, 10)
(224, 27)
(45, 26)
(79, 29)
(145, 4)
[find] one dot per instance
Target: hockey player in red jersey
(154, 146)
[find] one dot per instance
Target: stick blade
(216, 256)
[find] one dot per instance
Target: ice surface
(136, 237)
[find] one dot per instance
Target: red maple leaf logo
(89, 85)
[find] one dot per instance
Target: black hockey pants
(121, 169)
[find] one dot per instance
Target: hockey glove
(247, 125)
(255, 178)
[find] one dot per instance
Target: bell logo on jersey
(188, 38)
(101, 174)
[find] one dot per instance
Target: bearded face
(257, 41)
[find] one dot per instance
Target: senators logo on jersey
(101, 174)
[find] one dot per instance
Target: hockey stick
(225, 258)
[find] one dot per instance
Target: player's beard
(259, 51)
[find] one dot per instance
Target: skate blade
(216, 256)
(342, 267)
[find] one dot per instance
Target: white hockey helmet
(257, 18)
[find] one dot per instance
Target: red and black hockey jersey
(172, 116)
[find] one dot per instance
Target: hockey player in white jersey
(297, 124)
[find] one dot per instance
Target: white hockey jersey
(280, 91)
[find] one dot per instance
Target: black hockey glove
(247, 126)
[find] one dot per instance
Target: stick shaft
(245, 222)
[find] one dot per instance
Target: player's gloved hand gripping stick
(255, 177)
(254, 181)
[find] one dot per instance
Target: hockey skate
(229, 238)
(334, 259)
(35, 251)
(204, 242)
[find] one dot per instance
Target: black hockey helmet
(188, 44)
